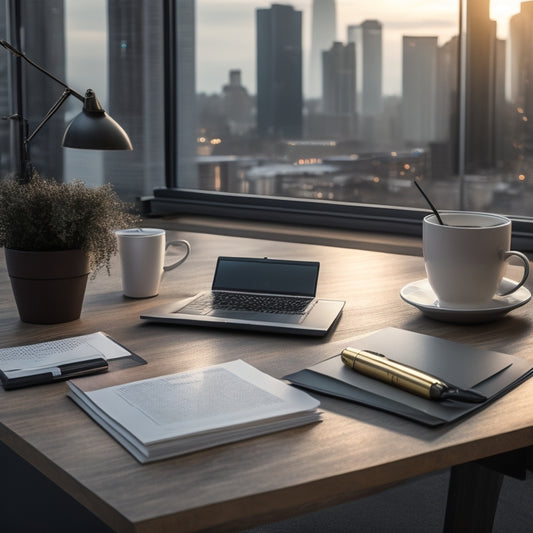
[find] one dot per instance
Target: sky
(230, 26)
(225, 36)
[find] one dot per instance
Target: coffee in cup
(466, 257)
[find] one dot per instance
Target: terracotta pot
(49, 287)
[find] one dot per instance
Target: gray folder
(489, 372)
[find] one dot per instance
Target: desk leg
(472, 499)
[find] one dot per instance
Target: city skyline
(408, 18)
(363, 152)
(86, 36)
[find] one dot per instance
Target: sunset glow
(501, 11)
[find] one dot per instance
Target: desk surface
(355, 451)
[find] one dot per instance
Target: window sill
(374, 241)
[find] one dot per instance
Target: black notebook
(47, 362)
(491, 373)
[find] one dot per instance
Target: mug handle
(166, 268)
(525, 260)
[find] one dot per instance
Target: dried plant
(47, 215)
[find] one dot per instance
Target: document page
(53, 353)
(200, 401)
(210, 393)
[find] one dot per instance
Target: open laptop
(260, 294)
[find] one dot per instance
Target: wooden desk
(354, 452)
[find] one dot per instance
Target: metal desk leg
(472, 499)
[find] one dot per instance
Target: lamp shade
(94, 129)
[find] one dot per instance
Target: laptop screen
(298, 278)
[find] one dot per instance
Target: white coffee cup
(142, 257)
(466, 257)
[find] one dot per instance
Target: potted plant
(54, 235)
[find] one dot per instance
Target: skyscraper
(521, 40)
(134, 93)
(419, 90)
(480, 89)
(447, 76)
(238, 105)
(521, 44)
(338, 93)
(43, 40)
(369, 66)
(187, 172)
(338, 79)
(279, 72)
(323, 35)
(5, 103)
(136, 82)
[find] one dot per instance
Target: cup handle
(525, 260)
(187, 246)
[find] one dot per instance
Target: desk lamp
(92, 129)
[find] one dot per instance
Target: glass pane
(320, 99)
(381, 101)
(110, 46)
(343, 101)
(499, 167)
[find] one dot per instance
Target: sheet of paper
(203, 400)
(58, 352)
(205, 394)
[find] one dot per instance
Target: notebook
(260, 294)
(491, 373)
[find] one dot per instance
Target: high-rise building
(444, 146)
(323, 35)
(369, 66)
(480, 88)
(134, 78)
(447, 85)
(136, 73)
(338, 79)
(186, 87)
(521, 43)
(279, 72)
(5, 103)
(43, 40)
(338, 119)
(419, 90)
(501, 126)
(238, 105)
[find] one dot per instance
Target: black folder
(491, 373)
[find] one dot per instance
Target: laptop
(260, 294)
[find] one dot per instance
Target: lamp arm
(18, 53)
(66, 93)
(108, 135)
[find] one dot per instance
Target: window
(114, 47)
(319, 111)
(389, 94)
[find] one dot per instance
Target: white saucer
(421, 295)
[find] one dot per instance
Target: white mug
(466, 257)
(142, 258)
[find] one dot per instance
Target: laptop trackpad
(258, 317)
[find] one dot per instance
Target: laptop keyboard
(248, 302)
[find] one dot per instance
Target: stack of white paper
(180, 413)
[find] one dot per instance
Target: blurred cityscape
(342, 139)
(352, 143)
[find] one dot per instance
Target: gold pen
(377, 366)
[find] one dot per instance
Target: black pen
(17, 378)
(407, 378)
